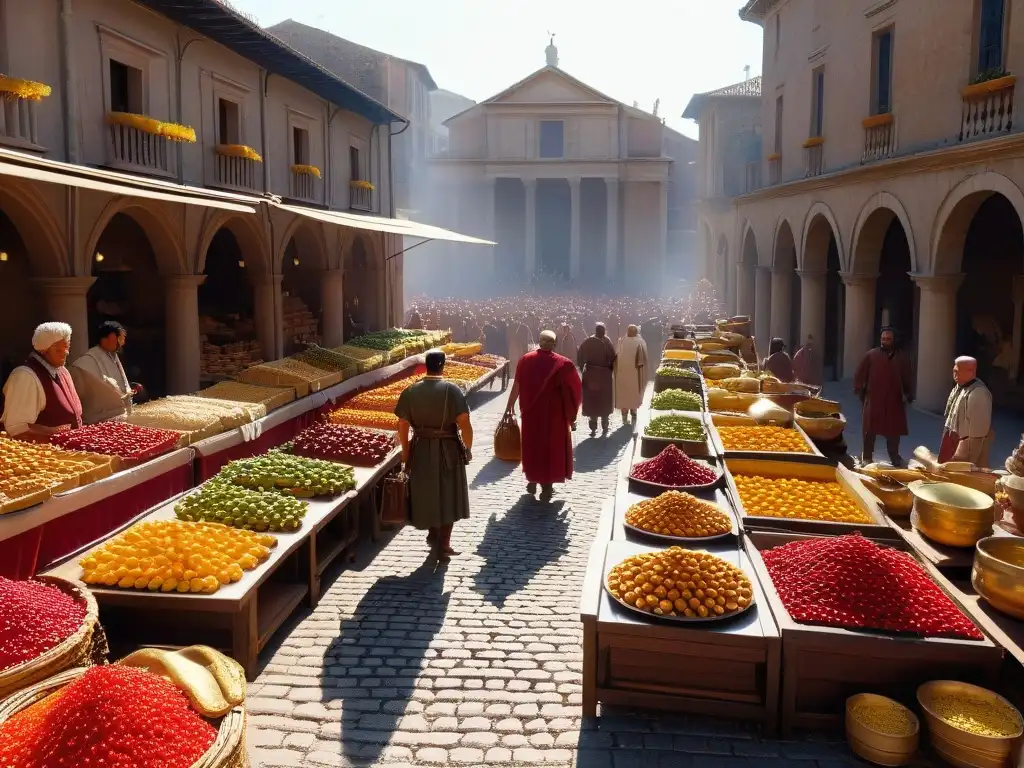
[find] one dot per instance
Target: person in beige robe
(630, 373)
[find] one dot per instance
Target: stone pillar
(490, 200)
(65, 300)
(530, 186)
(812, 312)
(268, 309)
(782, 305)
(858, 324)
(745, 290)
(763, 309)
(1018, 318)
(181, 325)
(332, 303)
(936, 345)
(662, 267)
(574, 228)
(611, 262)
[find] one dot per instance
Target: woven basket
(508, 441)
(227, 751)
(85, 648)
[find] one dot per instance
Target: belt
(434, 434)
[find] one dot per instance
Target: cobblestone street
(478, 664)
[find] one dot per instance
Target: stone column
(490, 201)
(662, 267)
(181, 325)
(530, 186)
(332, 303)
(574, 228)
(858, 324)
(782, 305)
(745, 290)
(1018, 318)
(268, 309)
(611, 261)
(65, 299)
(936, 345)
(763, 309)
(812, 312)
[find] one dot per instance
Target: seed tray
(652, 446)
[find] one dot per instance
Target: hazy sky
(632, 51)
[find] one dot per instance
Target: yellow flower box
(774, 156)
(978, 90)
(238, 150)
(877, 121)
(814, 141)
(154, 127)
(361, 184)
(306, 170)
(15, 88)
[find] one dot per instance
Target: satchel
(508, 441)
(394, 502)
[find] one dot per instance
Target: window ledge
(877, 121)
(989, 86)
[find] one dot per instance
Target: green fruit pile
(677, 400)
(294, 475)
(676, 428)
(385, 340)
(220, 501)
(325, 359)
(675, 372)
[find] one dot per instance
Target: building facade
(571, 184)
(886, 189)
(247, 227)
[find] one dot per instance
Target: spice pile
(677, 428)
(677, 400)
(885, 716)
(116, 438)
(336, 442)
(679, 582)
(357, 418)
(34, 617)
(977, 715)
(798, 499)
(674, 468)
(679, 514)
(763, 439)
(677, 372)
(113, 716)
(853, 583)
(383, 398)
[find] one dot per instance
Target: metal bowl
(1014, 488)
(896, 497)
(822, 427)
(956, 742)
(964, 757)
(877, 747)
(998, 573)
(951, 514)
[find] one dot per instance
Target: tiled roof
(748, 88)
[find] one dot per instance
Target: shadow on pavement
(591, 453)
(494, 471)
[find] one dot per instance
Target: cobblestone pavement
(478, 664)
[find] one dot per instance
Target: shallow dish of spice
(677, 516)
(673, 469)
(34, 618)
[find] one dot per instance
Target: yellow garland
(238, 150)
(360, 184)
(308, 170)
(171, 131)
(15, 88)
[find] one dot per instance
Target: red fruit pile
(337, 442)
(851, 582)
(34, 617)
(115, 438)
(114, 717)
(673, 467)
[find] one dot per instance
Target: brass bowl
(998, 573)
(964, 757)
(821, 428)
(951, 514)
(1014, 488)
(874, 746)
(896, 497)
(816, 407)
(947, 736)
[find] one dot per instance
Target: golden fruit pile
(31, 469)
(174, 556)
(383, 398)
(798, 499)
(679, 514)
(356, 418)
(763, 439)
(680, 582)
(464, 372)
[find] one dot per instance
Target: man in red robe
(549, 391)
(884, 383)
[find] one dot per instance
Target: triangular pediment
(549, 86)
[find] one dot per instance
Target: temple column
(812, 313)
(858, 323)
(530, 187)
(611, 263)
(781, 303)
(66, 301)
(763, 309)
(574, 229)
(745, 290)
(936, 347)
(269, 316)
(181, 325)
(332, 303)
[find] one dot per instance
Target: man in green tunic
(436, 454)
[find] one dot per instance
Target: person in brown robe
(597, 358)
(778, 362)
(807, 363)
(884, 382)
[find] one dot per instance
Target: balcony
(18, 124)
(139, 151)
(814, 156)
(360, 195)
(774, 168)
(235, 167)
(987, 108)
(303, 182)
(879, 137)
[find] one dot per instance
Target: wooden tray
(812, 454)
(656, 489)
(652, 446)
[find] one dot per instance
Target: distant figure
(630, 373)
(415, 321)
(967, 432)
(778, 363)
(884, 383)
(596, 358)
(807, 363)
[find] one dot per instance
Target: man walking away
(549, 391)
(630, 373)
(596, 359)
(884, 383)
(967, 433)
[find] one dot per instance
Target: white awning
(381, 224)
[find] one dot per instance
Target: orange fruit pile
(764, 439)
(679, 514)
(798, 499)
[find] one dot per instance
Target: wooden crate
(652, 446)
(823, 666)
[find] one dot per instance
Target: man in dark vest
(39, 396)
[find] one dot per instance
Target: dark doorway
(834, 309)
(554, 221)
(894, 292)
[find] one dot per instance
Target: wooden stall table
(32, 539)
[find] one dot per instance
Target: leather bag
(394, 502)
(508, 441)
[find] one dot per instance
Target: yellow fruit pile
(357, 418)
(680, 582)
(793, 498)
(463, 372)
(763, 439)
(29, 471)
(679, 514)
(383, 398)
(174, 556)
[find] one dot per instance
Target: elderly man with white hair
(40, 397)
(967, 433)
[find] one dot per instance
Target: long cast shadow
(592, 454)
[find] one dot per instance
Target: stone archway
(785, 286)
(364, 286)
(821, 290)
(152, 218)
(303, 265)
(745, 271)
(722, 269)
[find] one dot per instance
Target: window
(990, 37)
(818, 102)
(778, 125)
(227, 122)
(355, 164)
(778, 33)
(125, 88)
(882, 91)
(300, 146)
(552, 138)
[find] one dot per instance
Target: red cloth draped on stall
(550, 393)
